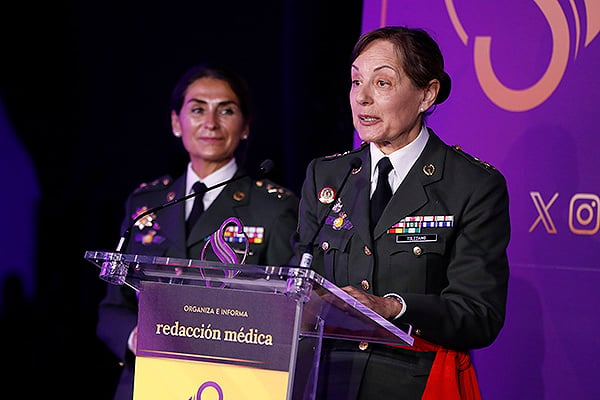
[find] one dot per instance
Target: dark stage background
(85, 86)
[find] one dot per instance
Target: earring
(177, 134)
(422, 109)
(244, 137)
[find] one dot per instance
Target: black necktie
(383, 191)
(198, 208)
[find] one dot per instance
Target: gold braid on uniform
(275, 190)
(473, 159)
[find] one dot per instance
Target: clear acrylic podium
(259, 318)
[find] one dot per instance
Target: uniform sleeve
(470, 311)
(279, 247)
(307, 219)
(117, 316)
(117, 311)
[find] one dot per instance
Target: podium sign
(235, 330)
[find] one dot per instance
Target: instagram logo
(584, 214)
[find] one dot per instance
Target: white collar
(222, 174)
(402, 159)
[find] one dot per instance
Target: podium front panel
(197, 340)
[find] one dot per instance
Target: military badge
(147, 221)
(326, 194)
(148, 238)
(220, 246)
(339, 222)
(337, 207)
(429, 169)
(277, 191)
(252, 234)
(414, 224)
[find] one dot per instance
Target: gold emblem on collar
(239, 196)
(429, 169)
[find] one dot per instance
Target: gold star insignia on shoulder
(476, 160)
(271, 188)
(159, 183)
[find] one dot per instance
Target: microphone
(307, 256)
(265, 167)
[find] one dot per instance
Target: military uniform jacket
(257, 204)
(268, 210)
(440, 242)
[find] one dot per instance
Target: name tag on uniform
(416, 238)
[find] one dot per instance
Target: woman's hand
(132, 341)
(387, 307)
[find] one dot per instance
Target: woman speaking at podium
(418, 233)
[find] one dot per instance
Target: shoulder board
(338, 155)
(471, 158)
(156, 184)
(272, 189)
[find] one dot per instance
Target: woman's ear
(430, 93)
(246, 132)
(175, 127)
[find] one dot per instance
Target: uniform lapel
(223, 207)
(173, 221)
(358, 190)
(411, 195)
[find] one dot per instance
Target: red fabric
(452, 375)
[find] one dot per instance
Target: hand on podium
(132, 341)
(389, 307)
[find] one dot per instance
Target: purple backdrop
(523, 98)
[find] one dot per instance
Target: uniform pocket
(413, 266)
(335, 253)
